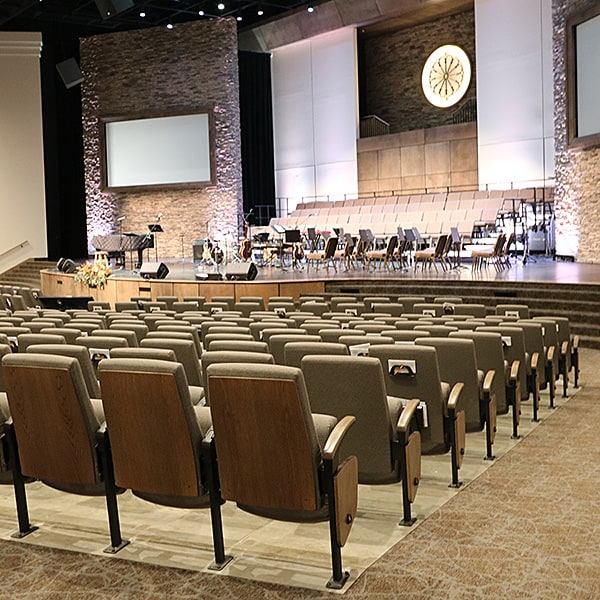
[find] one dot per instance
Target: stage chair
(159, 421)
(458, 364)
(294, 352)
(481, 256)
(430, 255)
(381, 438)
(56, 436)
(278, 341)
(270, 461)
(326, 258)
(239, 346)
(386, 255)
(413, 372)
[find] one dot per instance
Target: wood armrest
(514, 370)
(407, 414)
(550, 354)
(575, 342)
(336, 436)
(455, 393)
(564, 348)
(488, 381)
(535, 358)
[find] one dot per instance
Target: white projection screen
(583, 58)
(159, 151)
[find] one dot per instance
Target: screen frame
(574, 141)
(138, 116)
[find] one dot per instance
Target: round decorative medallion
(446, 76)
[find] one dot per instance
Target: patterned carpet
(527, 527)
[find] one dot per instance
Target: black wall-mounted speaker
(242, 271)
(70, 72)
(66, 265)
(109, 8)
(154, 270)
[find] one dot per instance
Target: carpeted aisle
(525, 528)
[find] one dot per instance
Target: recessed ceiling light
(142, 14)
(239, 17)
(221, 6)
(170, 26)
(310, 8)
(201, 13)
(260, 12)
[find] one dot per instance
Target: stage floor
(539, 269)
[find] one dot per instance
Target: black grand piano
(117, 244)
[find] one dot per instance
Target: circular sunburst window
(446, 76)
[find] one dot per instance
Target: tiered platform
(547, 286)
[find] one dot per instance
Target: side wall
(22, 195)
(195, 65)
(577, 191)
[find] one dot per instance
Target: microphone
(120, 219)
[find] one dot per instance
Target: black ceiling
(85, 17)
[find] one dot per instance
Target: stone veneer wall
(195, 65)
(577, 173)
(392, 67)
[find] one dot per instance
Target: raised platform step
(26, 274)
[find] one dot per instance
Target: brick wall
(192, 66)
(577, 173)
(392, 64)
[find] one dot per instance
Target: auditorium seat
(57, 435)
(269, 458)
(381, 440)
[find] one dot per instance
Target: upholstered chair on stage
(277, 460)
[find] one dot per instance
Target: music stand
(155, 228)
(457, 243)
(292, 236)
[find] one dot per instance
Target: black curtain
(256, 114)
(63, 150)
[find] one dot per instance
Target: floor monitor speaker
(154, 270)
(243, 271)
(66, 265)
